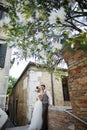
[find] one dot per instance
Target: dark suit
(45, 112)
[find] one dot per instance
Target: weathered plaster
(33, 82)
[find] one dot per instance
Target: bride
(36, 121)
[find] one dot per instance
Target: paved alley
(18, 128)
(11, 126)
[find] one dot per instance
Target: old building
(5, 55)
(23, 95)
(4, 75)
(77, 63)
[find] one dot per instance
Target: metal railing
(79, 119)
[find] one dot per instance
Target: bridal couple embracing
(39, 120)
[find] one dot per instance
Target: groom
(47, 100)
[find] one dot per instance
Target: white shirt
(49, 96)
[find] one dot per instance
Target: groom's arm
(49, 97)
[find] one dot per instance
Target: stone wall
(18, 104)
(4, 76)
(77, 63)
(21, 98)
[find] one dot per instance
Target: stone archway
(77, 63)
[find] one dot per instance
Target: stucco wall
(4, 75)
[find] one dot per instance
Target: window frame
(65, 88)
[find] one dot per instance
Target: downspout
(52, 88)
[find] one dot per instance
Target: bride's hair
(37, 87)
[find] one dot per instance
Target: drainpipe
(52, 88)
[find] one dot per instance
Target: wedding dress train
(36, 121)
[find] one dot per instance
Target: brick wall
(61, 120)
(77, 63)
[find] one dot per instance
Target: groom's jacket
(47, 99)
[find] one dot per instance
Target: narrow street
(71, 127)
(43, 44)
(66, 122)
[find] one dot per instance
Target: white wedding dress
(36, 121)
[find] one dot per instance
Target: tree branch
(80, 22)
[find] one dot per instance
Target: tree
(40, 28)
(11, 83)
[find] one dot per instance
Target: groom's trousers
(45, 117)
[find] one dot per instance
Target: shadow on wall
(3, 119)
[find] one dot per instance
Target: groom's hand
(50, 105)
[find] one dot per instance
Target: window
(65, 88)
(3, 48)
